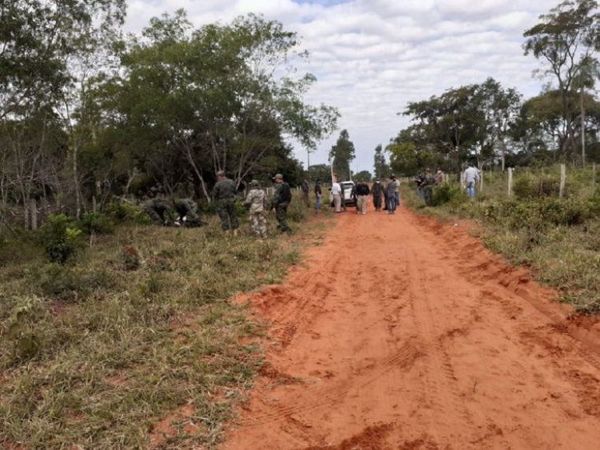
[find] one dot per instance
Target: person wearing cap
(390, 190)
(224, 194)
(377, 191)
(281, 200)
(255, 201)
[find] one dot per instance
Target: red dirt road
(400, 333)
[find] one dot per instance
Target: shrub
(562, 212)
(25, 337)
(296, 211)
(529, 186)
(60, 238)
(95, 222)
(124, 212)
(65, 283)
(447, 193)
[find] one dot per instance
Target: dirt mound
(400, 332)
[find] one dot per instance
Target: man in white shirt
(472, 177)
(336, 194)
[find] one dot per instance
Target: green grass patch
(93, 353)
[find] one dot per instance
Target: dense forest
(88, 113)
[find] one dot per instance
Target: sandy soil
(402, 333)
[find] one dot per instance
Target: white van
(347, 188)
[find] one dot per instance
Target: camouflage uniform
(281, 200)
(187, 210)
(159, 211)
(256, 201)
(224, 194)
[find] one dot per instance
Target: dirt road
(401, 333)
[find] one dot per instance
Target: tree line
(88, 112)
(495, 126)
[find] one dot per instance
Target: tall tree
(197, 101)
(564, 39)
(342, 154)
(363, 175)
(585, 80)
(382, 169)
(40, 39)
(496, 110)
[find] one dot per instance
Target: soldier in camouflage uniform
(255, 201)
(159, 210)
(224, 194)
(187, 211)
(281, 200)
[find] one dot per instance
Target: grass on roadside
(95, 353)
(558, 239)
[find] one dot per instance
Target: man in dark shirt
(224, 194)
(362, 197)
(281, 200)
(377, 191)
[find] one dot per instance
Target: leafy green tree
(447, 124)
(541, 121)
(564, 40)
(363, 175)
(589, 72)
(496, 110)
(42, 44)
(341, 155)
(382, 169)
(320, 172)
(197, 101)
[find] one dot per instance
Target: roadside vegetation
(558, 238)
(108, 328)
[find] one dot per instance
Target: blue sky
(372, 57)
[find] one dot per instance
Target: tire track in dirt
(410, 334)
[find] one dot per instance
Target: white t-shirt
(471, 175)
(336, 189)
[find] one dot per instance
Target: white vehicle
(347, 188)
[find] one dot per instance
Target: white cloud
(371, 57)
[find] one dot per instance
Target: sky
(372, 57)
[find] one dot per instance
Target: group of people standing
(225, 194)
(386, 196)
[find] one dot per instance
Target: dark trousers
(281, 215)
(228, 216)
(377, 202)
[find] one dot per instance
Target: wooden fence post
(563, 180)
(481, 181)
(510, 181)
(33, 214)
